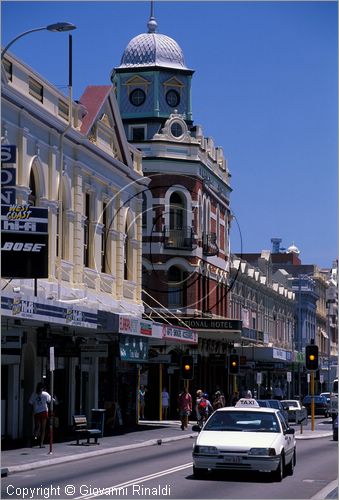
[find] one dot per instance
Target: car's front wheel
(290, 466)
(278, 474)
(199, 473)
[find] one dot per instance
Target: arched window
(126, 254)
(144, 211)
(64, 242)
(32, 197)
(176, 287)
(105, 267)
(177, 208)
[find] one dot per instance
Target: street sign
(308, 378)
(289, 377)
(321, 378)
(259, 378)
(51, 359)
(301, 416)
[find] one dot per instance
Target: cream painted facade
(101, 238)
(101, 164)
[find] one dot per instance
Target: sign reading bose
(24, 241)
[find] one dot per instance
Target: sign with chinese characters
(179, 333)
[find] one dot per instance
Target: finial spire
(152, 24)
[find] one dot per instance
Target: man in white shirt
(39, 401)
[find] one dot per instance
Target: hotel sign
(230, 325)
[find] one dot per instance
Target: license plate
(232, 459)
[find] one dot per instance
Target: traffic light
(187, 367)
(312, 359)
(234, 364)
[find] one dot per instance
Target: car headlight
(262, 451)
(206, 450)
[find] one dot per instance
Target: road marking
(105, 491)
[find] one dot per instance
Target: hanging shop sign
(133, 348)
(135, 326)
(24, 242)
(181, 334)
(47, 312)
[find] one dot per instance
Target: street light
(60, 27)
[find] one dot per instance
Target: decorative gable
(173, 82)
(137, 81)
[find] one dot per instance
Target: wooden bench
(82, 431)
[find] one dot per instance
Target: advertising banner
(133, 348)
(24, 242)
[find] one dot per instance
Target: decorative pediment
(106, 120)
(173, 82)
(137, 81)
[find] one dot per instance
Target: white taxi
(245, 437)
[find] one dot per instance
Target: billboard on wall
(24, 241)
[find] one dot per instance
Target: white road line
(106, 490)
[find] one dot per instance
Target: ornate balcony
(209, 244)
(179, 238)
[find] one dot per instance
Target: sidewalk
(148, 433)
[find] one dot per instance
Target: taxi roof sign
(247, 403)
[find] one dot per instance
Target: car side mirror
(197, 428)
(290, 430)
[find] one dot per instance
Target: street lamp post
(59, 27)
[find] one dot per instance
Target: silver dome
(153, 49)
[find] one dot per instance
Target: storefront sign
(279, 354)
(133, 348)
(228, 325)
(178, 333)
(24, 242)
(135, 326)
(47, 312)
(8, 153)
(163, 359)
(96, 350)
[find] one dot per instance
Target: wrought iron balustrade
(179, 238)
(209, 244)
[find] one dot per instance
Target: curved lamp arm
(17, 38)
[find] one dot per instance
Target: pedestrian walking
(218, 401)
(164, 403)
(39, 401)
(203, 408)
(277, 392)
(184, 407)
(142, 394)
(235, 398)
(219, 395)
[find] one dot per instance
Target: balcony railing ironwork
(179, 238)
(209, 244)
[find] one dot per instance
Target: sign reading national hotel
(230, 325)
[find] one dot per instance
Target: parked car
(327, 396)
(245, 437)
(321, 406)
(273, 403)
(295, 410)
(335, 429)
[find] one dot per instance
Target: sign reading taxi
(247, 403)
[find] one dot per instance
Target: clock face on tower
(137, 97)
(172, 98)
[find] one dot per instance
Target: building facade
(82, 173)
(186, 211)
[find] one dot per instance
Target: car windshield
(317, 399)
(293, 404)
(274, 404)
(242, 421)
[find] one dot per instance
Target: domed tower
(151, 83)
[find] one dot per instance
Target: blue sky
(265, 88)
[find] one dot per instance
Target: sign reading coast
(24, 241)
